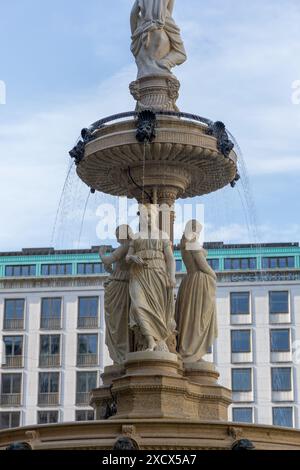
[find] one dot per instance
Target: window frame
(281, 390)
(288, 302)
(249, 369)
(249, 331)
(274, 330)
(232, 294)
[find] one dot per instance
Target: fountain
(159, 393)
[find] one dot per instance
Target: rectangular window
(88, 312)
(241, 380)
(11, 385)
(85, 415)
(87, 350)
(283, 416)
(13, 352)
(14, 314)
(13, 345)
(20, 271)
(56, 269)
(47, 417)
(279, 302)
(51, 314)
(90, 268)
(10, 419)
(240, 264)
(178, 265)
(281, 379)
(50, 351)
(214, 264)
(48, 382)
(240, 303)
(85, 382)
(280, 340)
(240, 341)
(242, 415)
(48, 389)
(278, 262)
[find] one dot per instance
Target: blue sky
(67, 63)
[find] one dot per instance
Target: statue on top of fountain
(156, 41)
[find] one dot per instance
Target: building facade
(52, 332)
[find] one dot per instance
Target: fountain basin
(183, 158)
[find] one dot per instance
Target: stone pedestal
(156, 93)
(155, 386)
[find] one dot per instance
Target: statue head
(125, 443)
(243, 444)
(192, 230)
(149, 215)
(124, 233)
(19, 446)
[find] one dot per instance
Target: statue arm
(171, 6)
(117, 255)
(134, 16)
(171, 265)
(202, 264)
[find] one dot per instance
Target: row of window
(51, 310)
(88, 308)
(282, 416)
(48, 388)
(230, 264)
(281, 379)
(50, 351)
(12, 419)
(278, 303)
(280, 341)
(54, 269)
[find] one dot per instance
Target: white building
(52, 332)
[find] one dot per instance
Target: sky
(67, 63)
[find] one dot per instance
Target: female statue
(116, 298)
(152, 279)
(196, 300)
(156, 40)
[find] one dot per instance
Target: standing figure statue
(116, 297)
(156, 41)
(152, 282)
(196, 300)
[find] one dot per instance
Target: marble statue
(156, 41)
(116, 297)
(196, 300)
(152, 280)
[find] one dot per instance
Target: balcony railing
(87, 360)
(83, 398)
(10, 399)
(87, 322)
(50, 323)
(48, 399)
(13, 324)
(13, 362)
(49, 360)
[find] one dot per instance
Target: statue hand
(137, 260)
(109, 268)
(102, 251)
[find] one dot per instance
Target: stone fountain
(159, 393)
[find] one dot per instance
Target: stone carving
(19, 446)
(157, 93)
(243, 444)
(152, 280)
(156, 41)
(116, 297)
(78, 151)
(125, 443)
(146, 127)
(196, 300)
(218, 130)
